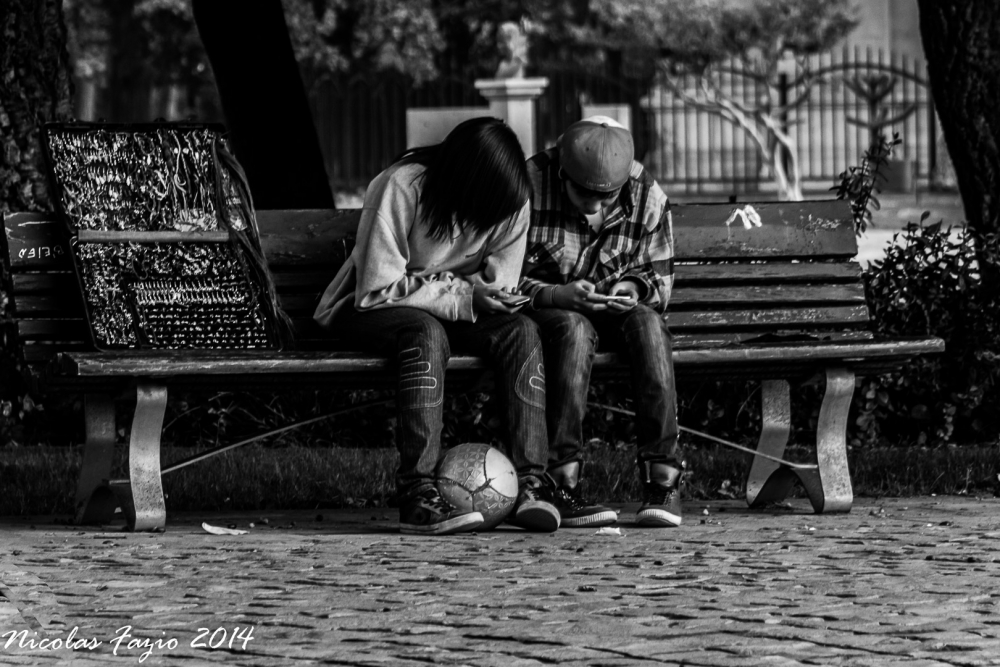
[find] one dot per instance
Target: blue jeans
(570, 340)
(421, 345)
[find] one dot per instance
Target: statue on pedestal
(513, 46)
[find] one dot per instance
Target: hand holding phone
(512, 300)
(609, 297)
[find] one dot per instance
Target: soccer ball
(478, 478)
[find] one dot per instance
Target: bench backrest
(793, 275)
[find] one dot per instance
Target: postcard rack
(164, 237)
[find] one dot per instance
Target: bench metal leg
(829, 486)
(94, 502)
(143, 502)
(769, 481)
(831, 442)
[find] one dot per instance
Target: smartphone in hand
(513, 300)
(609, 297)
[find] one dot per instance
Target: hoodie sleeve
(505, 254)
(381, 255)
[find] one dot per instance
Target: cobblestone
(912, 582)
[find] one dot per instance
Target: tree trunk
(34, 88)
(785, 166)
(962, 42)
(129, 82)
(264, 102)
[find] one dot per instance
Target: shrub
(931, 283)
(934, 280)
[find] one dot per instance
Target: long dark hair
(474, 180)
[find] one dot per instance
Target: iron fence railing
(361, 121)
(691, 150)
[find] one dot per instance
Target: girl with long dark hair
(439, 250)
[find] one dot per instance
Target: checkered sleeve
(653, 266)
(529, 285)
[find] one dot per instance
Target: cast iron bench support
(140, 497)
(829, 485)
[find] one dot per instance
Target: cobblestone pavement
(895, 582)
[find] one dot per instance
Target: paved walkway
(895, 582)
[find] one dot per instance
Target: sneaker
(535, 509)
(574, 510)
(577, 512)
(661, 503)
(425, 512)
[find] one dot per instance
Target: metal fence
(362, 123)
(691, 150)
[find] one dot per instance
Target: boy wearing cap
(599, 267)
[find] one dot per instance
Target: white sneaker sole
(459, 524)
(599, 519)
(657, 518)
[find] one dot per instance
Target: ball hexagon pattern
(478, 478)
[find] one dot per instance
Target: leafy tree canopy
(156, 36)
(364, 36)
(694, 34)
(417, 37)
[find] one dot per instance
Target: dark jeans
(421, 345)
(570, 340)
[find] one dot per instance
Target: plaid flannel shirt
(635, 241)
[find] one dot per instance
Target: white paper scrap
(218, 530)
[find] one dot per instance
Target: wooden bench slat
(44, 347)
(43, 283)
(681, 340)
(43, 352)
(302, 238)
(685, 275)
(783, 295)
(788, 318)
(788, 229)
(685, 298)
(53, 329)
(767, 272)
(719, 339)
(309, 223)
(62, 303)
(315, 281)
(231, 362)
(36, 241)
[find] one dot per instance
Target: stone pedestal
(513, 100)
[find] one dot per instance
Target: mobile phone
(513, 299)
(611, 297)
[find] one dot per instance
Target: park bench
(780, 303)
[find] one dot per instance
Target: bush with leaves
(931, 283)
(934, 280)
(859, 185)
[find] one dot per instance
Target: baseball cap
(596, 152)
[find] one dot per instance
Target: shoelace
(530, 493)
(436, 501)
(570, 498)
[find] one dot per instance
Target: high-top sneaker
(575, 511)
(661, 495)
(535, 509)
(424, 512)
